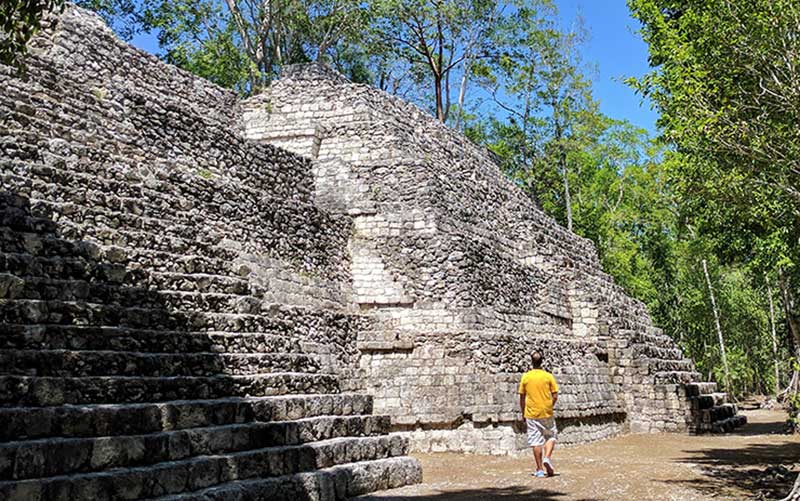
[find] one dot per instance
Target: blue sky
(614, 49)
(617, 52)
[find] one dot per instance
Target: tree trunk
(437, 83)
(719, 330)
(446, 96)
(567, 197)
(462, 91)
(562, 165)
(789, 307)
(774, 337)
(439, 70)
(795, 494)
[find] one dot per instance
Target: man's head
(536, 359)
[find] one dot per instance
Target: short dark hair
(536, 360)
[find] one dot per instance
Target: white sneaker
(548, 466)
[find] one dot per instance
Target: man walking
(538, 393)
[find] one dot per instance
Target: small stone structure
(465, 276)
(202, 298)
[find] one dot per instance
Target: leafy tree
(123, 16)
(726, 80)
(19, 21)
(201, 37)
(435, 38)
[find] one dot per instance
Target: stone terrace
(174, 308)
(465, 277)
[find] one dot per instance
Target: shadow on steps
(112, 387)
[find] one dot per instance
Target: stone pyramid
(465, 277)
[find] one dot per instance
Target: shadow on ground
(765, 470)
(767, 428)
(501, 493)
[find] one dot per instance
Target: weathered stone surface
(175, 308)
(466, 276)
(187, 312)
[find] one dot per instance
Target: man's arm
(522, 404)
(553, 389)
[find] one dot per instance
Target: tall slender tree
(436, 38)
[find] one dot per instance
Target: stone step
(196, 473)
(103, 204)
(20, 219)
(650, 351)
(178, 200)
(338, 483)
(16, 241)
(45, 391)
(161, 239)
(729, 424)
(10, 200)
(717, 413)
(30, 311)
(282, 229)
(98, 295)
(75, 268)
(168, 193)
(285, 339)
(672, 376)
(52, 251)
(723, 426)
(660, 365)
(649, 340)
(694, 389)
(145, 293)
(202, 282)
(60, 456)
(48, 289)
(708, 400)
(82, 363)
(328, 325)
(141, 418)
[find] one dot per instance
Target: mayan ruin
(284, 296)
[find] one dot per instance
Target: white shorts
(541, 430)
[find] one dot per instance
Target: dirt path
(632, 468)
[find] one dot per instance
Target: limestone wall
(466, 276)
(149, 166)
(175, 309)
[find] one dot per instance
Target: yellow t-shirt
(538, 387)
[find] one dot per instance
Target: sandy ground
(633, 467)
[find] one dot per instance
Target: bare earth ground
(740, 465)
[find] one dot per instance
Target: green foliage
(123, 16)
(19, 21)
(434, 39)
(725, 80)
(200, 37)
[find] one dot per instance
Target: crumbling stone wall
(175, 309)
(466, 276)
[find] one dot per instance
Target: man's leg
(548, 447)
(548, 451)
(535, 441)
(537, 456)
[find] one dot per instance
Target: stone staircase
(709, 409)
(118, 382)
